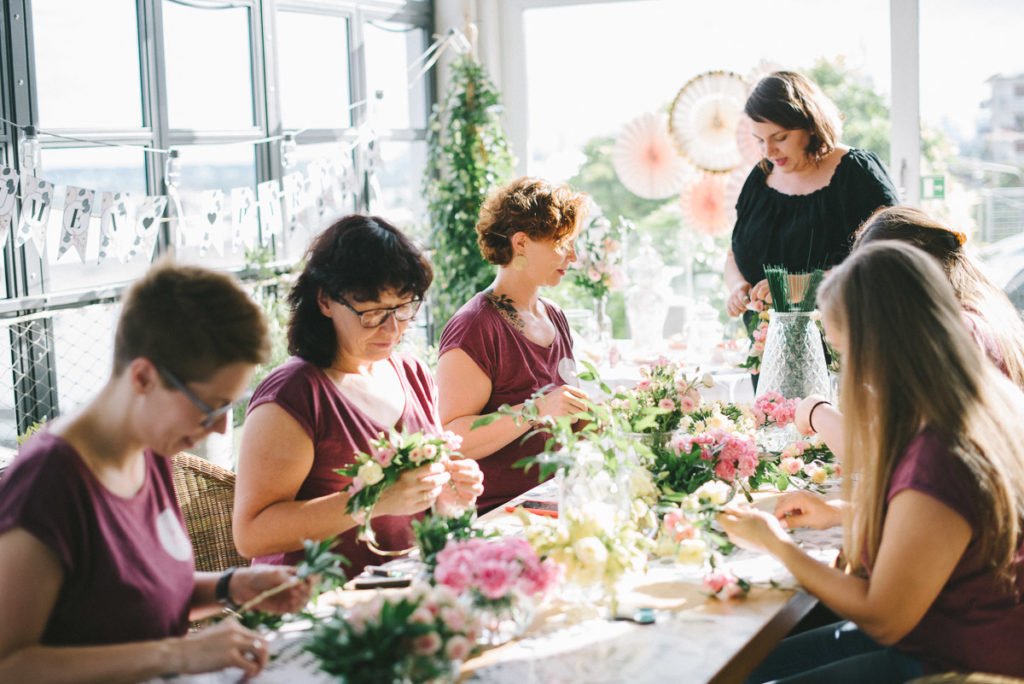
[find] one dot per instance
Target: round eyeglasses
(210, 415)
(374, 318)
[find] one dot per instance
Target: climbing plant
(468, 155)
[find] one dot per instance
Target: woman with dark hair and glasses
(362, 285)
(97, 579)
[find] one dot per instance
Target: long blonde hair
(909, 363)
(972, 287)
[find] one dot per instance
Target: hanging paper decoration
(703, 119)
(115, 210)
(74, 232)
(8, 199)
(704, 205)
(210, 231)
(329, 200)
(243, 218)
(36, 202)
(147, 225)
(268, 195)
(646, 160)
(374, 163)
(293, 189)
(750, 153)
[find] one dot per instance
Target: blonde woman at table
(507, 342)
(934, 480)
(97, 581)
(345, 384)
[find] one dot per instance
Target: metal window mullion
(360, 92)
(32, 343)
(153, 66)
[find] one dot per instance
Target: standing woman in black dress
(801, 204)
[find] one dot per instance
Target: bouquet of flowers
(686, 532)
(435, 532)
(599, 255)
(771, 409)
(805, 463)
(393, 454)
(416, 636)
(502, 578)
(714, 442)
(658, 403)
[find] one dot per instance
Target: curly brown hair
(529, 205)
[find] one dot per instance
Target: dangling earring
(519, 262)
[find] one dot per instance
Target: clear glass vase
(504, 620)
(602, 321)
(794, 359)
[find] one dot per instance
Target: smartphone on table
(536, 506)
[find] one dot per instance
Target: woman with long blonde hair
(933, 500)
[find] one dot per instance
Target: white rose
(692, 551)
(590, 552)
(370, 473)
(708, 380)
(715, 492)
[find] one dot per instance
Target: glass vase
(602, 321)
(794, 359)
(503, 620)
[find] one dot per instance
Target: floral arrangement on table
(393, 453)
(662, 398)
(594, 546)
(805, 464)
(503, 579)
(599, 255)
(771, 409)
(416, 636)
(434, 532)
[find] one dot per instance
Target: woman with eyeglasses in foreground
(362, 285)
(933, 489)
(508, 342)
(97, 581)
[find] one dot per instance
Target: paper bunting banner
(268, 195)
(294, 191)
(115, 213)
(147, 225)
(74, 230)
(329, 200)
(645, 158)
(36, 202)
(8, 198)
(243, 219)
(211, 232)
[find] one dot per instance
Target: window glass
(8, 417)
(972, 121)
(83, 349)
(313, 70)
(205, 168)
(337, 196)
(390, 51)
(101, 169)
(209, 68)
(400, 175)
(82, 80)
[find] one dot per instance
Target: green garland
(468, 155)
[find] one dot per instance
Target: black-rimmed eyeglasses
(210, 415)
(374, 318)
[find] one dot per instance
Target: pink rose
(494, 579)
(429, 451)
(643, 385)
(791, 465)
(356, 486)
(458, 648)
(725, 470)
(384, 456)
(716, 581)
(422, 616)
(452, 440)
(428, 644)
(667, 404)
(454, 619)
(687, 404)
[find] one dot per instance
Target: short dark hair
(191, 321)
(794, 102)
(358, 257)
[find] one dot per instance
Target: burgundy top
(339, 429)
(985, 338)
(517, 368)
(127, 562)
(977, 622)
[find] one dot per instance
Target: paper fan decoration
(646, 160)
(705, 206)
(704, 117)
(750, 154)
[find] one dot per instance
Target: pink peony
(495, 579)
(725, 470)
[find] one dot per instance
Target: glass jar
(794, 359)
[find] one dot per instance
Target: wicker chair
(206, 495)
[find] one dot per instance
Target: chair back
(206, 495)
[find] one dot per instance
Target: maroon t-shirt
(976, 623)
(127, 562)
(516, 367)
(985, 338)
(339, 430)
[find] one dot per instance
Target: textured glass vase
(794, 359)
(502, 621)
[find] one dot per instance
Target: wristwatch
(222, 592)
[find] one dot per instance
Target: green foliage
(865, 112)
(32, 429)
(468, 155)
(435, 531)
